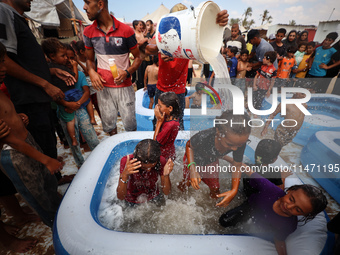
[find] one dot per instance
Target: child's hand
(268, 94)
(144, 88)
(4, 129)
(54, 165)
(195, 179)
(254, 88)
(131, 166)
(249, 68)
(264, 131)
(168, 167)
(323, 66)
(228, 197)
(73, 63)
(159, 116)
(24, 118)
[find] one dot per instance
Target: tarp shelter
(156, 15)
(326, 27)
(57, 14)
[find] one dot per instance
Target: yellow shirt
(303, 64)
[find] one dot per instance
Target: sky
(304, 12)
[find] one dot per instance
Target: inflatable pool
(321, 158)
(193, 119)
(325, 110)
(77, 229)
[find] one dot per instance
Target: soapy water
(190, 212)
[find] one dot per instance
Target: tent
(156, 15)
(57, 15)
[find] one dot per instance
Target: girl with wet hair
(139, 174)
(204, 149)
(274, 211)
(167, 112)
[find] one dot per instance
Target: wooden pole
(73, 17)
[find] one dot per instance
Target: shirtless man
(285, 135)
(150, 79)
(27, 167)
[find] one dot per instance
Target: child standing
(287, 63)
(298, 57)
(232, 63)
(150, 79)
(242, 67)
(278, 45)
(57, 53)
(139, 173)
(303, 67)
(196, 97)
(274, 211)
(264, 79)
(167, 126)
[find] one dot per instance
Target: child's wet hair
(267, 150)
(171, 99)
(317, 199)
(51, 46)
(199, 86)
(2, 50)
(147, 151)
(236, 124)
(245, 51)
(271, 56)
(332, 36)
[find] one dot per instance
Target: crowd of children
(153, 159)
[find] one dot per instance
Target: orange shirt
(285, 68)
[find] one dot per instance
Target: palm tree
(235, 21)
(247, 13)
(266, 17)
(292, 23)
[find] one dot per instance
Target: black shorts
(151, 90)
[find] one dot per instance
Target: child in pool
(205, 149)
(167, 126)
(57, 53)
(274, 211)
(139, 174)
(196, 97)
(217, 105)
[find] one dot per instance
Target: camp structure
(156, 15)
(310, 28)
(326, 27)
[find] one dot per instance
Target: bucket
(191, 33)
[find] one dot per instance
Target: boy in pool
(285, 134)
(139, 174)
(205, 149)
(196, 97)
(275, 212)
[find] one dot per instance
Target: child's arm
(272, 82)
(165, 180)
(160, 120)
(195, 178)
(75, 68)
(146, 77)
(82, 66)
(52, 165)
(271, 117)
(85, 96)
(130, 168)
(211, 77)
(255, 80)
(280, 247)
(4, 131)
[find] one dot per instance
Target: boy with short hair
(322, 57)
(264, 79)
(150, 79)
(278, 45)
(242, 67)
(287, 63)
(232, 63)
(196, 97)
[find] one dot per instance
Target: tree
(292, 23)
(266, 17)
(235, 21)
(247, 13)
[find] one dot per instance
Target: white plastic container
(191, 33)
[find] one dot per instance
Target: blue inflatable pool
(193, 119)
(325, 110)
(77, 229)
(321, 158)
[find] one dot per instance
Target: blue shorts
(151, 90)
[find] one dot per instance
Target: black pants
(236, 215)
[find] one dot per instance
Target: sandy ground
(43, 234)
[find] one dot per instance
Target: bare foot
(20, 245)
(66, 179)
(10, 229)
